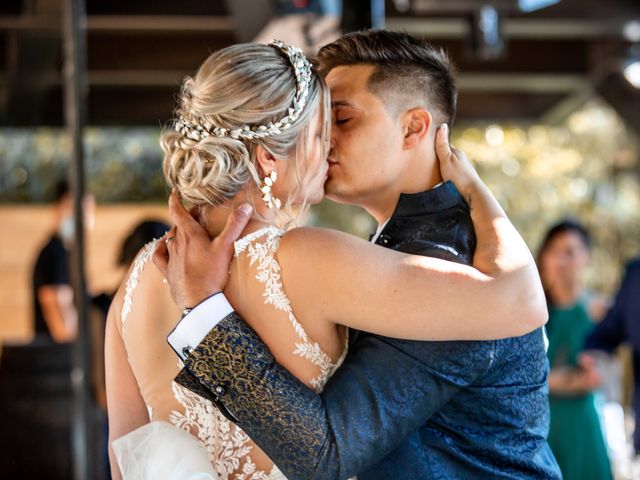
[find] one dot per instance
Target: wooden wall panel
(23, 231)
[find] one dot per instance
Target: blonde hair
(244, 84)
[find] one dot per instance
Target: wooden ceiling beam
(171, 24)
(513, 28)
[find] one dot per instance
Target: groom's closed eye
(343, 112)
(342, 116)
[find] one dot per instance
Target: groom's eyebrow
(344, 103)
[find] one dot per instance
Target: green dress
(575, 436)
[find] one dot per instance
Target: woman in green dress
(576, 435)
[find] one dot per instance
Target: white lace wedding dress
(187, 437)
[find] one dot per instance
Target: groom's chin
(337, 199)
(332, 192)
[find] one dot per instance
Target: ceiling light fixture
(533, 5)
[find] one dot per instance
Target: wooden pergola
(554, 59)
(74, 63)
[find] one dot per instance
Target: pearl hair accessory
(302, 71)
(267, 195)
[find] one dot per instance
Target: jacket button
(385, 239)
(220, 391)
(186, 351)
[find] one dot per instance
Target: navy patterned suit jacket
(395, 408)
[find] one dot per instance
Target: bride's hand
(454, 164)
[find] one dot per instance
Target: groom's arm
(374, 400)
(366, 409)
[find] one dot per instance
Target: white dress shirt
(196, 324)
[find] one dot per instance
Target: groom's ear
(415, 123)
(266, 161)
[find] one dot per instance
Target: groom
(396, 408)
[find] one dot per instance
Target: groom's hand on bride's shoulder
(195, 265)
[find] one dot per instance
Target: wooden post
(75, 101)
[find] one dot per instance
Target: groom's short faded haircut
(406, 69)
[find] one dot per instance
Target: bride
(159, 429)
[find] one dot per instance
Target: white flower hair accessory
(302, 71)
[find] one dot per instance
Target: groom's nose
(332, 149)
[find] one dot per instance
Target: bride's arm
(499, 246)
(351, 282)
(126, 407)
(342, 279)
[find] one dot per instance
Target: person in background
(144, 232)
(622, 324)
(575, 435)
(55, 314)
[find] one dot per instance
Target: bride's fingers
(236, 223)
(443, 149)
(459, 154)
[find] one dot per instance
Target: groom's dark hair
(406, 69)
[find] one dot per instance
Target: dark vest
(435, 223)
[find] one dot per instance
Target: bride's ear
(266, 161)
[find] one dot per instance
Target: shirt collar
(442, 196)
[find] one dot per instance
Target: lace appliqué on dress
(132, 282)
(227, 445)
(262, 254)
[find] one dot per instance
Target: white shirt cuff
(195, 325)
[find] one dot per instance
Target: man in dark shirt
(55, 316)
(51, 290)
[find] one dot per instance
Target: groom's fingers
(236, 223)
(161, 256)
(181, 217)
(172, 240)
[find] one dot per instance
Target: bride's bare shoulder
(321, 248)
(304, 239)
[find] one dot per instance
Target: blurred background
(548, 110)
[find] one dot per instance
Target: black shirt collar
(440, 198)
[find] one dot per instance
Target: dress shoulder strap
(261, 247)
(132, 282)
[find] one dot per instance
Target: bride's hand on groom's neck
(195, 265)
(454, 164)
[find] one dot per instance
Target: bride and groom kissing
(308, 353)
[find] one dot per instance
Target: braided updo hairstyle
(244, 84)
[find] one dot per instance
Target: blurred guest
(575, 435)
(55, 316)
(142, 233)
(622, 324)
